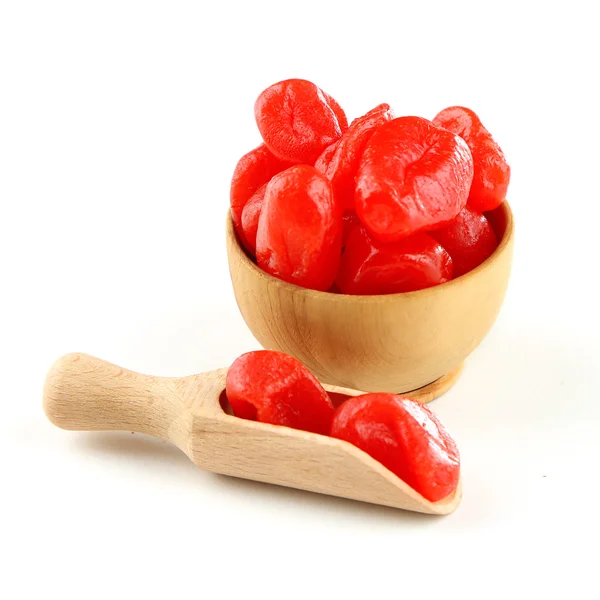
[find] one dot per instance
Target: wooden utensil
(388, 343)
(84, 393)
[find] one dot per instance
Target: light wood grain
(85, 393)
(396, 342)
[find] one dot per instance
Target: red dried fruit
(497, 219)
(252, 171)
(369, 267)
(273, 387)
(469, 239)
(338, 111)
(491, 171)
(412, 177)
(251, 215)
(322, 162)
(297, 120)
(300, 229)
(350, 221)
(404, 436)
(339, 162)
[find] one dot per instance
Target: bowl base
(436, 388)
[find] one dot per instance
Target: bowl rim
(233, 241)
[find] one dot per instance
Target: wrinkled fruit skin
(404, 436)
(253, 170)
(338, 111)
(369, 267)
(325, 158)
(413, 177)
(273, 387)
(469, 239)
(297, 120)
(491, 171)
(339, 162)
(300, 229)
(251, 215)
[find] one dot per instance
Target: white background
(120, 125)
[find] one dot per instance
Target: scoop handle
(85, 393)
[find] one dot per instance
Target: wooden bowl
(392, 343)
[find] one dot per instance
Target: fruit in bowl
(377, 253)
(413, 189)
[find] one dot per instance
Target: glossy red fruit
(412, 177)
(323, 160)
(252, 171)
(469, 239)
(300, 229)
(350, 222)
(339, 162)
(492, 173)
(497, 219)
(338, 110)
(297, 120)
(273, 387)
(369, 267)
(250, 216)
(404, 436)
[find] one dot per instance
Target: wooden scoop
(84, 393)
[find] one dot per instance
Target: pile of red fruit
(380, 206)
(400, 433)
